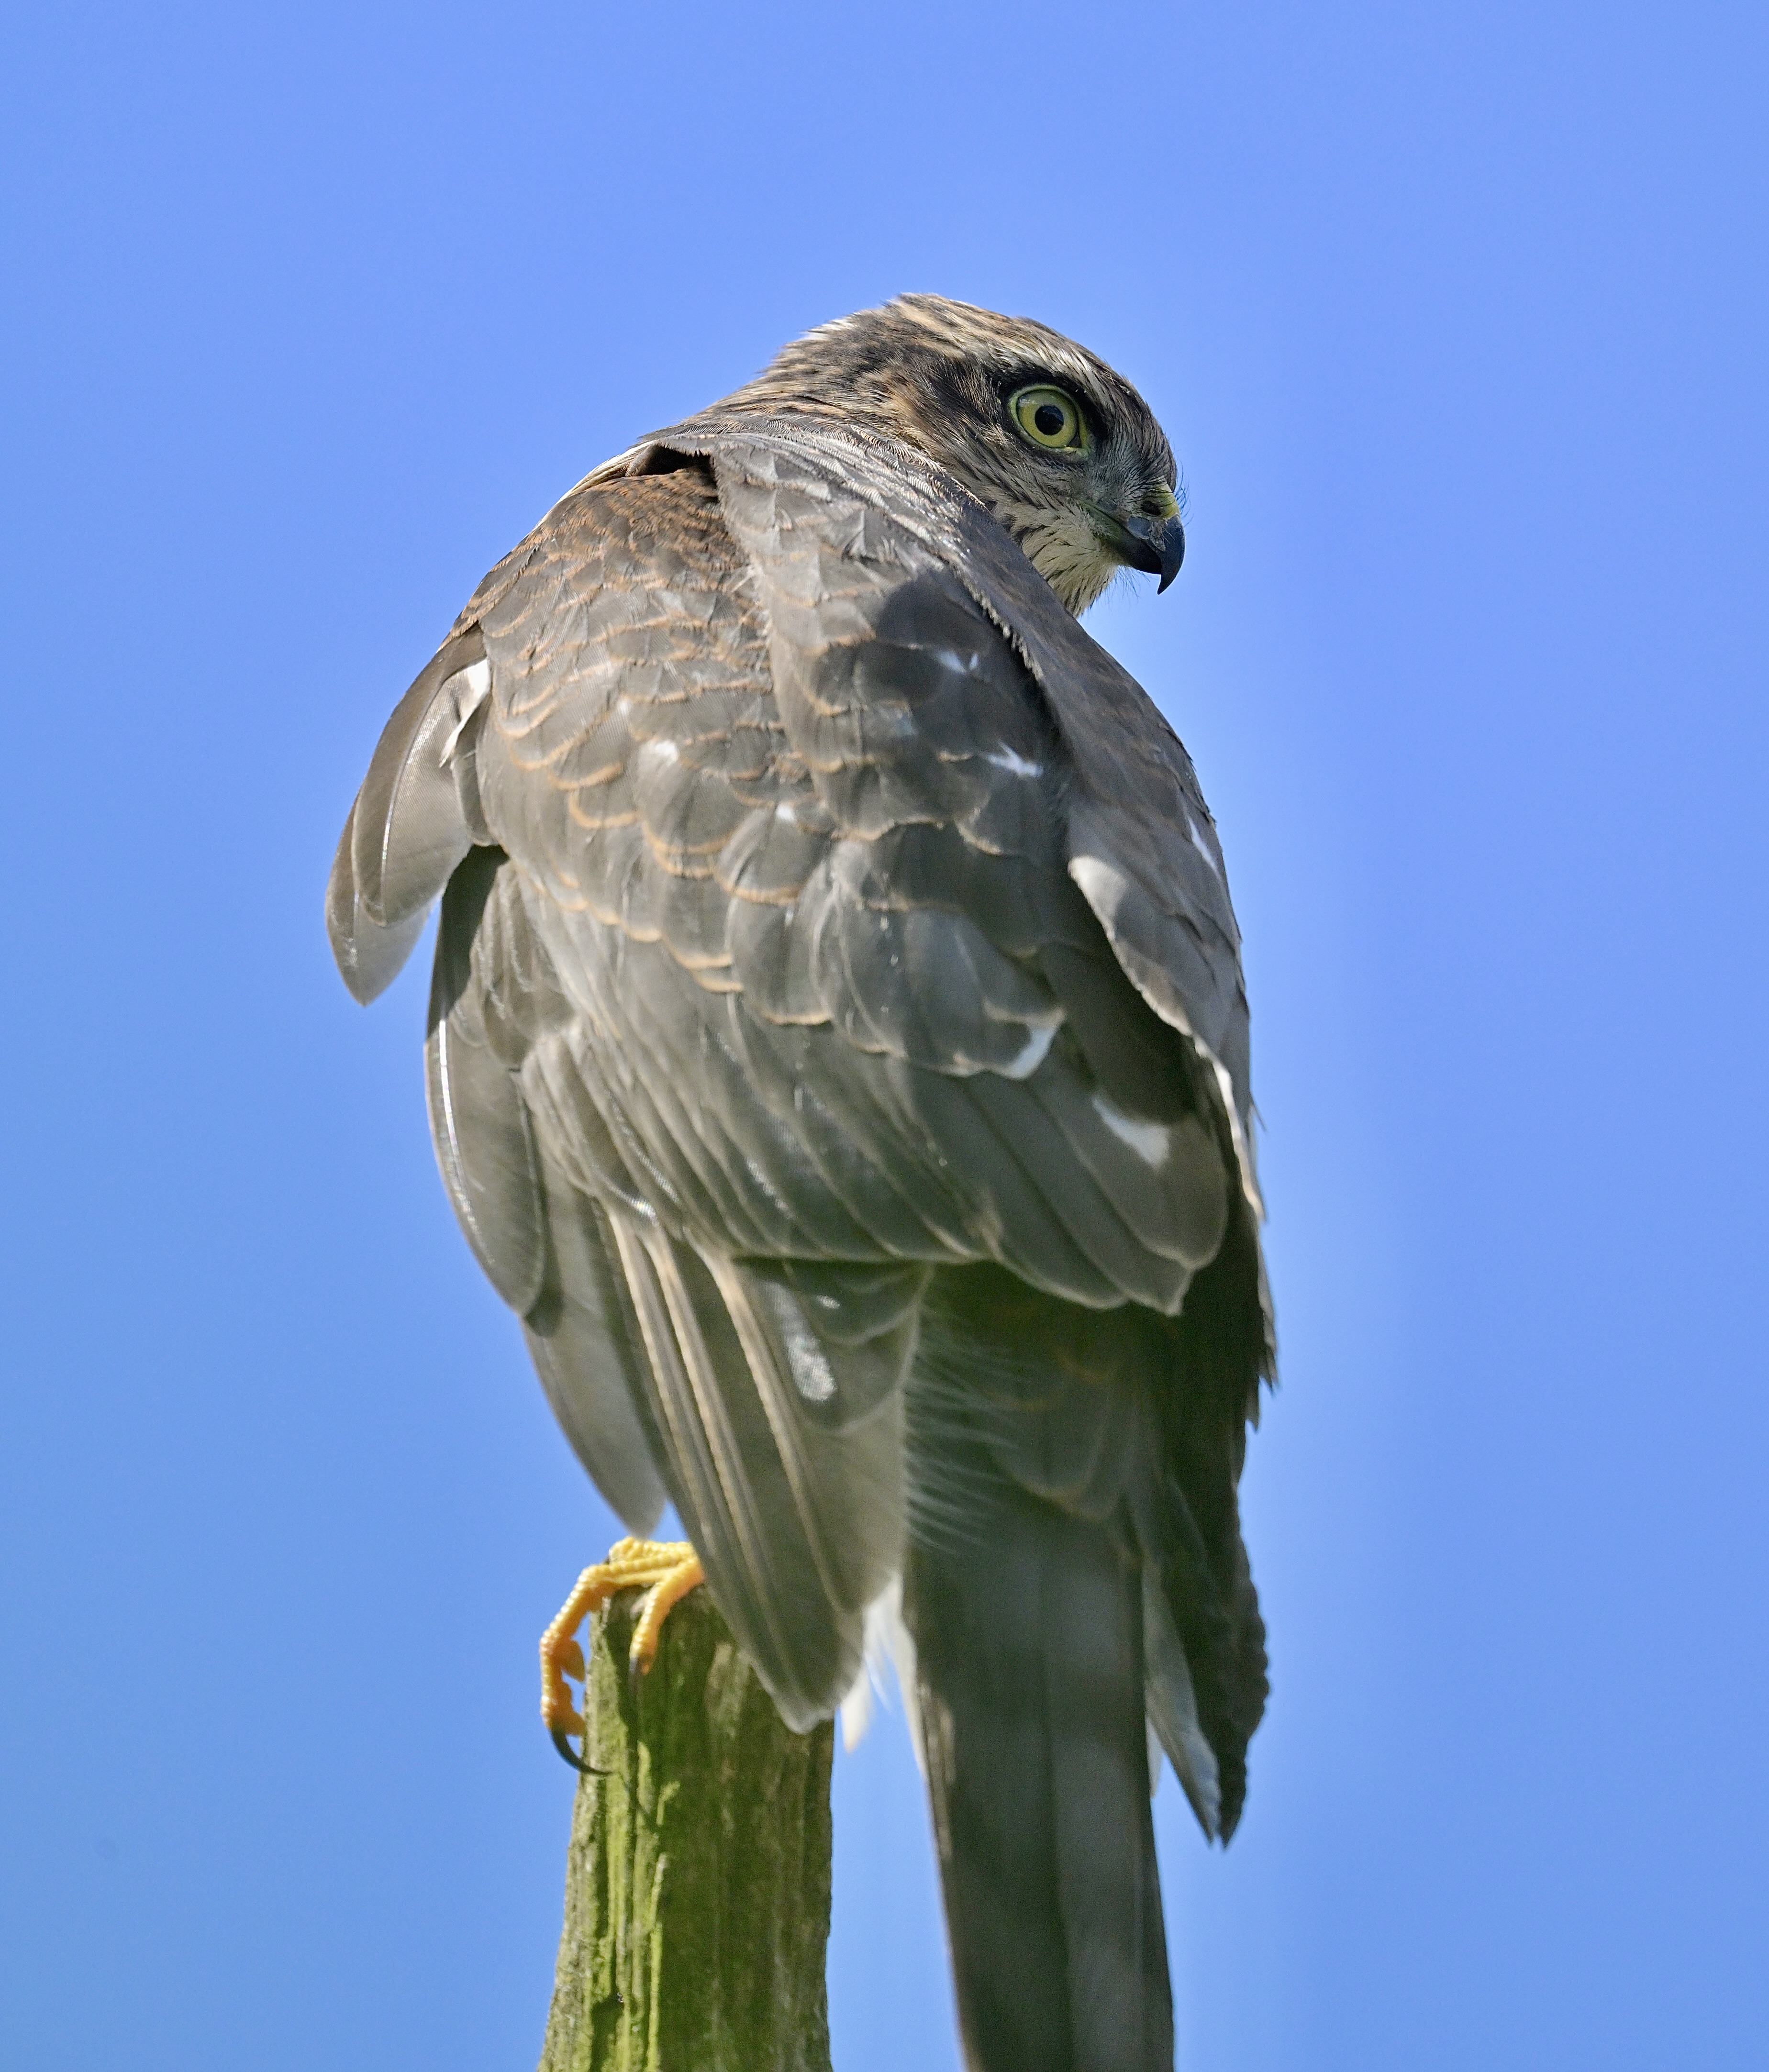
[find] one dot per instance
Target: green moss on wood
(696, 1904)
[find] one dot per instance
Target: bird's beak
(1155, 545)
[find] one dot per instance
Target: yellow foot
(665, 1569)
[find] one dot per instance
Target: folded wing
(805, 932)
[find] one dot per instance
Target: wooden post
(697, 1902)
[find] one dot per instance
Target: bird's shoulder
(633, 723)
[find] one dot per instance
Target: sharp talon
(561, 1740)
(666, 1571)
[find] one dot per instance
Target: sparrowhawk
(838, 1059)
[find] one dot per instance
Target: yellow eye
(1048, 418)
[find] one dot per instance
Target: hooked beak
(1155, 545)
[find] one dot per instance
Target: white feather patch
(888, 1650)
(1038, 1047)
(1150, 1140)
(469, 688)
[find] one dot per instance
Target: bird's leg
(665, 1569)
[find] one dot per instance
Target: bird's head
(1063, 450)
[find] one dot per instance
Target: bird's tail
(1029, 1641)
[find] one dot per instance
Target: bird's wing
(792, 813)
(847, 532)
(856, 549)
(791, 826)
(609, 1157)
(499, 1029)
(766, 1394)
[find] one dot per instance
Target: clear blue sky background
(1456, 317)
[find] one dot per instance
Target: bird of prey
(837, 1057)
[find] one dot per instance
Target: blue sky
(1457, 320)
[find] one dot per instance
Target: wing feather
(495, 1009)
(478, 1121)
(414, 819)
(796, 1528)
(584, 1338)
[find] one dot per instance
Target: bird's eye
(1048, 418)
